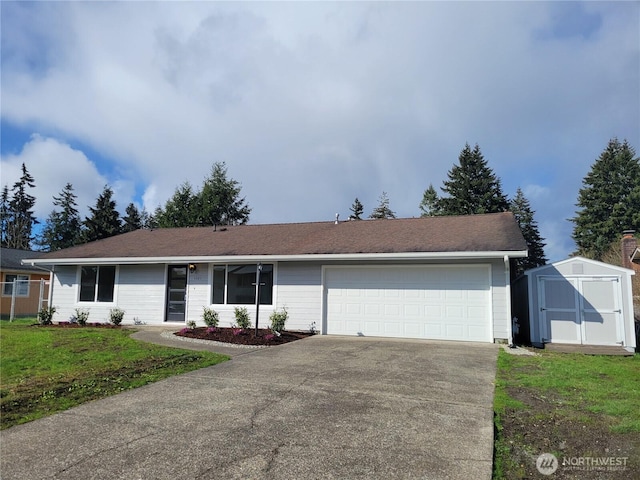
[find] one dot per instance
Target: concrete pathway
(325, 407)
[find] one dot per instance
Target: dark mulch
(242, 337)
(77, 325)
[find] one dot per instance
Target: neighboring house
(436, 277)
(27, 279)
(576, 301)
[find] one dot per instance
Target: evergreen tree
(609, 200)
(62, 228)
(180, 210)
(219, 201)
(472, 187)
(357, 209)
(132, 220)
(429, 205)
(20, 218)
(523, 213)
(4, 216)
(104, 220)
(382, 210)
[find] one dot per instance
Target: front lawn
(583, 409)
(44, 370)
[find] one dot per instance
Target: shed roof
(472, 233)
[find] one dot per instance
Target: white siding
(140, 292)
(300, 291)
(199, 294)
(64, 293)
(501, 304)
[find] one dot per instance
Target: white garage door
(435, 302)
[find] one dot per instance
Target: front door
(176, 293)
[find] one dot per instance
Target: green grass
(578, 388)
(44, 370)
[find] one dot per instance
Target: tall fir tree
(609, 200)
(20, 217)
(382, 210)
(219, 201)
(357, 209)
(104, 220)
(132, 220)
(180, 210)
(429, 205)
(524, 215)
(4, 216)
(472, 187)
(62, 228)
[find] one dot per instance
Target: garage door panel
(414, 302)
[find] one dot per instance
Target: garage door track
(323, 407)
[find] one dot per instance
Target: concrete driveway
(323, 407)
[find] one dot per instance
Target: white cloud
(53, 164)
(313, 104)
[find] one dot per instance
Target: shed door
(581, 310)
(559, 309)
(601, 312)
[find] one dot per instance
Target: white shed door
(434, 302)
(582, 310)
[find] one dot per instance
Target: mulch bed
(242, 337)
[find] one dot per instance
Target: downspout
(51, 272)
(507, 284)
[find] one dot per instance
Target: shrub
(116, 315)
(45, 315)
(210, 317)
(242, 317)
(278, 319)
(81, 316)
(191, 324)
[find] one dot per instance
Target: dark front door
(176, 293)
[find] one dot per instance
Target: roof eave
(280, 258)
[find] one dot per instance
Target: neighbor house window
(236, 284)
(97, 283)
(22, 285)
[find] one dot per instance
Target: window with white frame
(21, 282)
(97, 283)
(236, 284)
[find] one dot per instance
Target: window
(96, 283)
(22, 285)
(238, 282)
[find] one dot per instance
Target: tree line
(608, 203)
(218, 202)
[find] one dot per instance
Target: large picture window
(97, 283)
(22, 285)
(235, 284)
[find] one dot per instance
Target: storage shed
(576, 301)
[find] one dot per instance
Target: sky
(312, 104)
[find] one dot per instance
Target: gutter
(279, 258)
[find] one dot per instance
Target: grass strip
(44, 370)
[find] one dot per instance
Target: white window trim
(95, 288)
(226, 285)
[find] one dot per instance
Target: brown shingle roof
(473, 233)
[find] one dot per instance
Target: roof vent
(337, 217)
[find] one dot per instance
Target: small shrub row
(81, 316)
(211, 319)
